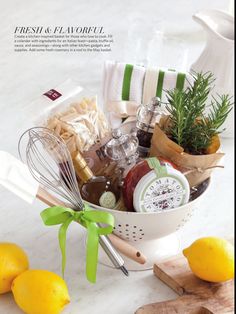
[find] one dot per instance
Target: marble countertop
(24, 77)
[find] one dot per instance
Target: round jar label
(153, 194)
(107, 200)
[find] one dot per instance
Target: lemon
(211, 259)
(13, 261)
(40, 292)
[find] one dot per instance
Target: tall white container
(218, 55)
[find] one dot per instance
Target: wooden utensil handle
(121, 245)
(47, 198)
(127, 249)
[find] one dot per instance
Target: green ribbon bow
(88, 218)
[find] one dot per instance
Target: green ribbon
(155, 164)
(88, 218)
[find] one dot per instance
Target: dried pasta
(81, 125)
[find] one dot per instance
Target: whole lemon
(13, 261)
(40, 292)
(211, 259)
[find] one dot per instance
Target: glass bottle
(98, 190)
(147, 116)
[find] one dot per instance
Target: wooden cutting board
(195, 295)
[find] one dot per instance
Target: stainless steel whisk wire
(66, 185)
(44, 149)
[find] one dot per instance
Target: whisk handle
(113, 255)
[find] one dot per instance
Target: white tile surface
(25, 76)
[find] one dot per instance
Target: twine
(200, 170)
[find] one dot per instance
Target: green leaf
(190, 126)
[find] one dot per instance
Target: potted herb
(189, 135)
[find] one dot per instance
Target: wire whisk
(50, 163)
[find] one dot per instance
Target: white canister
(162, 188)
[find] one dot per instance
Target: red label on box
(52, 94)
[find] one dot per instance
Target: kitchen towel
(126, 86)
(122, 87)
(157, 81)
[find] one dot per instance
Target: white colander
(154, 234)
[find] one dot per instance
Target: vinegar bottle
(98, 190)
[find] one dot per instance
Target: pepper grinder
(147, 116)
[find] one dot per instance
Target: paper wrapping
(197, 168)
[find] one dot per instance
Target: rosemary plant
(190, 126)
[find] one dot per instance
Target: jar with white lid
(155, 186)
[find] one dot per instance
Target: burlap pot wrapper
(197, 168)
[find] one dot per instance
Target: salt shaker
(147, 116)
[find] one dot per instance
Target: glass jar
(154, 185)
(122, 149)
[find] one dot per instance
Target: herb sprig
(190, 126)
